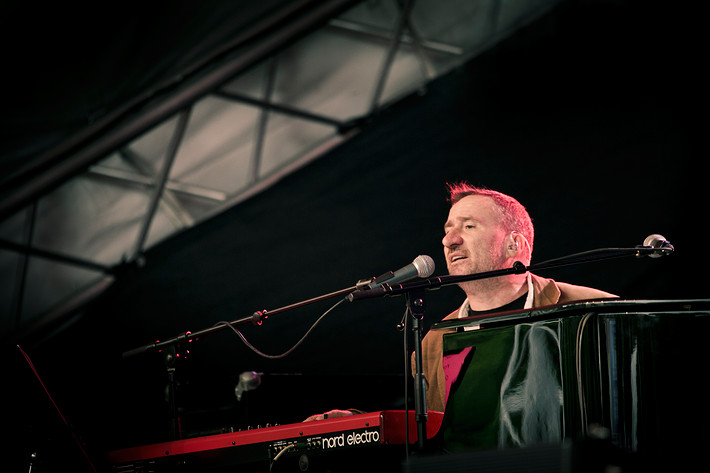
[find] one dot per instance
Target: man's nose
(451, 239)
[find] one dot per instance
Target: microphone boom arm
(518, 268)
(256, 318)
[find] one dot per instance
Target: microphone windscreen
(660, 242)
(425, 265)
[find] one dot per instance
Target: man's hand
(329, 415)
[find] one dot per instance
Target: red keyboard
(270, 444)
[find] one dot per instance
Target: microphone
(248, 381)
(421, 267)
(660, 242)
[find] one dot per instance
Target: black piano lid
(601, 306)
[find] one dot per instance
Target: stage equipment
(248, 381)
(373, 440)
(415, 293)
(623, 371)
(171, 349)
(654, 246)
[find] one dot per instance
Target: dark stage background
(584, 116)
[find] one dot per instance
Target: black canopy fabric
(583, 116)
(73, 74)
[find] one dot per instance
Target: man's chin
(460, 271)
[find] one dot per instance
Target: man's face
(474, 239)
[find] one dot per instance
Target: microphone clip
(363, 284)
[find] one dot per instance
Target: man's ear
(516, 244)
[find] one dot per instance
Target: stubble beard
(489, 285)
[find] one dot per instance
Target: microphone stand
(415, 309)
(170, 350)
